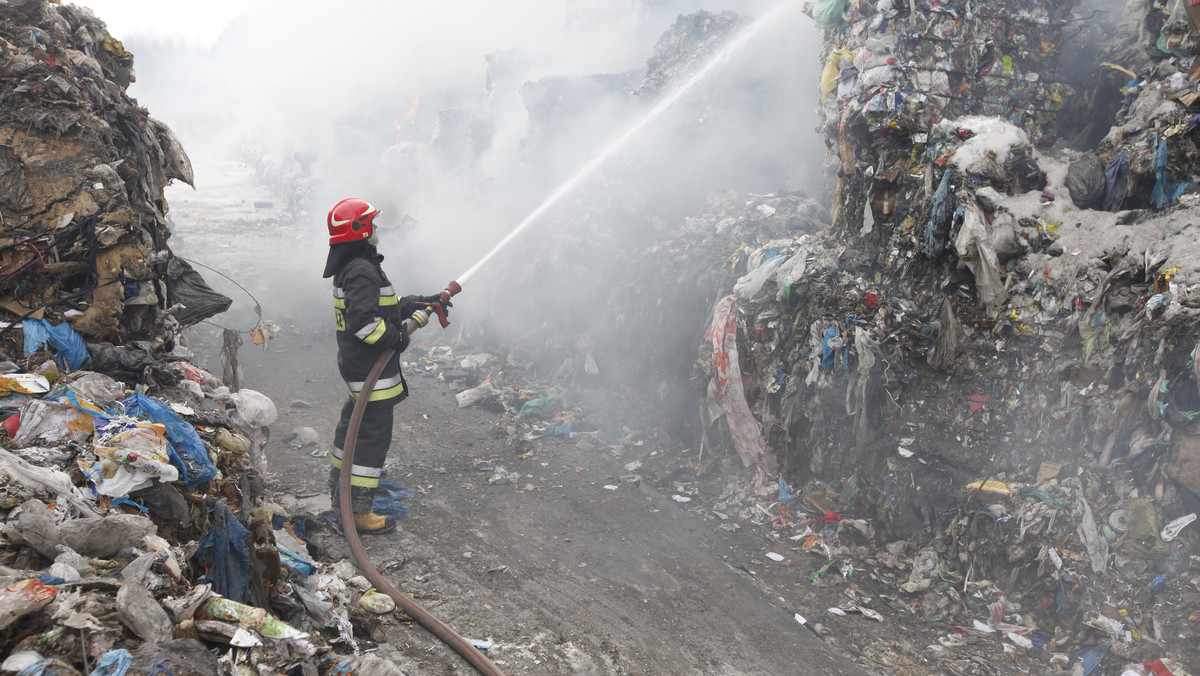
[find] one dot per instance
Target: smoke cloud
(456, 119)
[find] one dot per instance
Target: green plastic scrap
(1045, 497)
(535, 404)
(1141, 539)
(1095, 334)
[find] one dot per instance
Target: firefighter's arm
(364, 318)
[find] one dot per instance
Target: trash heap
(973, 399)
(135, 530)
(84, 227)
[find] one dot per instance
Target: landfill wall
(135, 532)
(84, 227)
(988, 360)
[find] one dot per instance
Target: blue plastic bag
(562, 429)
(70, 350)
(388, 497)
(786, 494)
(186, 450)
(826, 348)
(113, 663)
(226, 552)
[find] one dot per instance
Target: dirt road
(562, 572)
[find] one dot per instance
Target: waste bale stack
(990, 358)
(84, 233)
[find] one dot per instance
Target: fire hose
(435, 626)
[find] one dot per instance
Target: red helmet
(351, 220)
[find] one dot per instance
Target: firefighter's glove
(439, 308)
(435, 299)
(397, 337)
(421, 317)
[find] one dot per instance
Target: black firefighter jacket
(369, 317)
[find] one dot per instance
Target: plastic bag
(139, 611)
(23, 598)
(828, 13)
(124, 362)
(96, 387)
(387, 499)
(973, 246)
(49, 480)
(51, 422)
(1087, 183)
(254, 410)
(225, 551)
(130, 455)
(750, 284)
(833, 68)
(186, 287)
(185, 449)
(67, 343)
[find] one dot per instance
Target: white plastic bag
(254, 410)
(476, 394)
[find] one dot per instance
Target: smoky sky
(423, 109)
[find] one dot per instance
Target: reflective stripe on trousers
(360, 475)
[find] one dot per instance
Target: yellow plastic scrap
(733, 257)
(114, 47)
(909, 223)
(1050, 227)
(833, 67)
(23, 383)
(1123, 69)
(990, 486)
(1056, 99)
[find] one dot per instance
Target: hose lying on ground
(447, 635)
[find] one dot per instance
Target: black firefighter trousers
(370, 451)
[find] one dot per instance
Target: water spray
(447, 635)
(641, 123)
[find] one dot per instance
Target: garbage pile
(971, 403)
(84, 231)
(135, 531)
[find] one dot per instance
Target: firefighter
(370, 319)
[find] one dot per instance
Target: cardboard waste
(136, 533)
